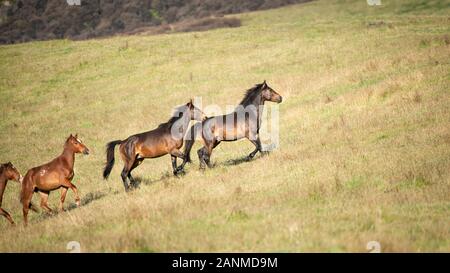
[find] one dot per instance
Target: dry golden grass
(364, 129)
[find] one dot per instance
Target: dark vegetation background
(26, 20)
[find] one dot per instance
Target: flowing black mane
(176, 115)
(251, 94)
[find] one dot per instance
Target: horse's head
(11, 172)
(269, 94)
(195, 113)
(77, 145)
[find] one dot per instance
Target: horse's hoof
(180, 171)
(49, 211)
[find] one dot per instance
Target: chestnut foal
(7, 172)
(51, 176)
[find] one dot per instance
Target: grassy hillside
(364, 133)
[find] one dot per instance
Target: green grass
(364, 131)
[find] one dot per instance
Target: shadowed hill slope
(54, 19)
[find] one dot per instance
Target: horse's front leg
(257, 143)
(68, 184)
(174, 164)
(177, 154)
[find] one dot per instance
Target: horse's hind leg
(204, 155)
(136, 163)
(126, 173)
(27, 195)
(129, 157)
(124, 176)
(44, 200)
(63, 198)
(208, 151)
(7, 216)
(201, 157)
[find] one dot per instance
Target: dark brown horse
(243, 122)
(7, 172)
(51, 176)
(166, 139)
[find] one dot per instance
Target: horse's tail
(110, 157)
(190, 138)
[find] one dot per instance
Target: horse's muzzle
(86, 151)
(20, 179)
(280, 99)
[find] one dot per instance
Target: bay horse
(243, 122)
(51, 176)
(167, 138)
(7, 172)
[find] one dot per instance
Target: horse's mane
(177, 113)
(251, 94)
(3, 167)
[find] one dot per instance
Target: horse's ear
(76, 135)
